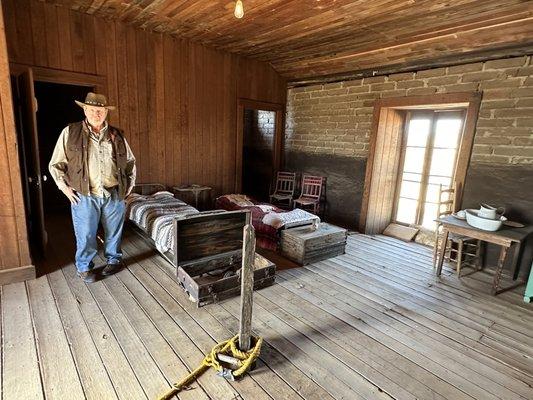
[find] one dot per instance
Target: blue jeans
(86, 215)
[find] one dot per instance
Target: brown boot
(110, 269)
(87, 276)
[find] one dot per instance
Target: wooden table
(505, 238)
(183, 193)
(528, 295)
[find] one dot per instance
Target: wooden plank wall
(176, 100)
(13, 237)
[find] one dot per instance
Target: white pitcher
(490, 212)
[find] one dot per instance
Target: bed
(153, 211)
(154, 214)
(268, 220)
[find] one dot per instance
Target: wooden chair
(284, 189)
(458, 247)
(311, 192)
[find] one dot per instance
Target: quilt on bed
(154, 215)
(266, 218)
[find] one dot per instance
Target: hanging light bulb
(239, 9)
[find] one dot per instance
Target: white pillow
(163, 193)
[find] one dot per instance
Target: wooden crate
(197, 196)
(307, 245)
(208, 254)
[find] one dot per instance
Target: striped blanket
(154, 215)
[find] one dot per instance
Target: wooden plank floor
(374, 323)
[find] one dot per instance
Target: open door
(27, 107)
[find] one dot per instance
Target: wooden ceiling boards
(304, 39)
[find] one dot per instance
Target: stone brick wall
(328, 133)
(260, 127)
(336, 118)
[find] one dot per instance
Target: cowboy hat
(95, 100)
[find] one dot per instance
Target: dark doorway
(41, 111)
(56, 110)
(259, 128)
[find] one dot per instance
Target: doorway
(259, 144)
(42, 110)
(431, 142)
(257, 152)
(388, 157)
(56, 110)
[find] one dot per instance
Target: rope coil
(227, 347)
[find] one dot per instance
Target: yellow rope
(228, 347)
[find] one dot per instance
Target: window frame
(433, 114)
(375, 216)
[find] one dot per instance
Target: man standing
(94, 167)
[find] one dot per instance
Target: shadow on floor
(61, 246)
(280, 261)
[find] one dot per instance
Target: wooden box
(197, 196)
(307, 245)
(208, 256)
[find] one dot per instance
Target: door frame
(28, 107)
(469, 100)
(277, 155)
(427, 158)
(43, 74)
(50, 75)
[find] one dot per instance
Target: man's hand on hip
(71, 194)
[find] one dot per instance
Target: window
(429, 155)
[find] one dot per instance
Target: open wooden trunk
(208, 256)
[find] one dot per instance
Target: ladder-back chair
(284, 189)
(458, 247)
(311, 192)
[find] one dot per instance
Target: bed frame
(147, 189)
(172, 256)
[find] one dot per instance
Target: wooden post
(247, 287)
(499, 269)
(442, 250)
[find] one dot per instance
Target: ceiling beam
(466, 58)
